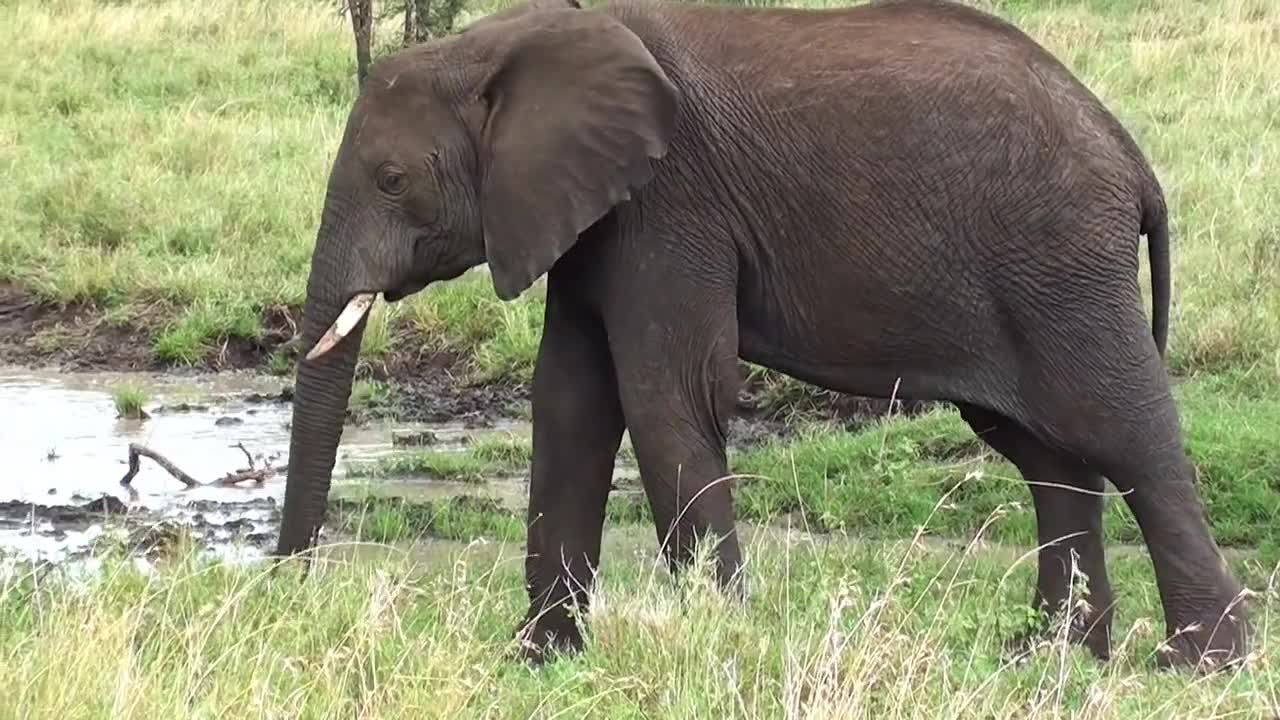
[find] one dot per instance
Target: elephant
(906, 196)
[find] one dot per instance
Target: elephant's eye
(392, 181)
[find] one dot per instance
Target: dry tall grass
(833, 628)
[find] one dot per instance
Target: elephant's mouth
(399, 293)
(356, 308)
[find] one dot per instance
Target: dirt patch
(85, 336)
(444, 400)
(430, 386)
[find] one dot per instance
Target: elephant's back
(908, 98)
(890, 69)
(889, 35)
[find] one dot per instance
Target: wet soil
(438, 393)
(430, 386)
(67, 450)
(81, 337)
(78, 529)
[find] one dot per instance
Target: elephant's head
(500, 144)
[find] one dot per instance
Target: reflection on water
(62, 444)
(62, 437)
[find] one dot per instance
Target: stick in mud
(247, 455)
(258, 475)
(136, 452)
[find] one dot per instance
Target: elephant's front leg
(678, 378)
(577, 427)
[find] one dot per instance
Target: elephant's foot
(547, 635)
(1091, 630)
(1217, 642)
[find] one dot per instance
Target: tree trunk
(362, 26)
(410, 23)
(423, 13)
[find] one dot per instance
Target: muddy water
(64, 448)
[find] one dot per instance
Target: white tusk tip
(357, 307)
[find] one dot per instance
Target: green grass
(888, 478)
(371, 398)
(169, 158)
(892, 477)
(129, 399)
(369, 514)
(166, 160)
(829, 629)
(378, 518)
(488, 458)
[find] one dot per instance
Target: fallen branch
(259, 475)
(247, 455)
(137, 451)
(251, 473)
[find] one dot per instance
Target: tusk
(351, 314)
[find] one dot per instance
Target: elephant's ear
(576, 109)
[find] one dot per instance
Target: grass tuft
(129, 399)
(371, 398)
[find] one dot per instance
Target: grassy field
(889, 478)
(162, 163)
(166, 160)
(833, 628)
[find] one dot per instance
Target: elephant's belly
(846, 376)
(916, 327)
(879, 362)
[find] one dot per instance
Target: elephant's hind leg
(1094, 387)
(577, 428)
(1068, 507)
(1145, 459)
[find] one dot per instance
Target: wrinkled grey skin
(907, 193)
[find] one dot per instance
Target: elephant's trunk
(320, 399)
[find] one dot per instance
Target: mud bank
(84, 336)
(428, 385)
(235, 530)
(81, 338)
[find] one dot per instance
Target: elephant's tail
(1155, 225)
